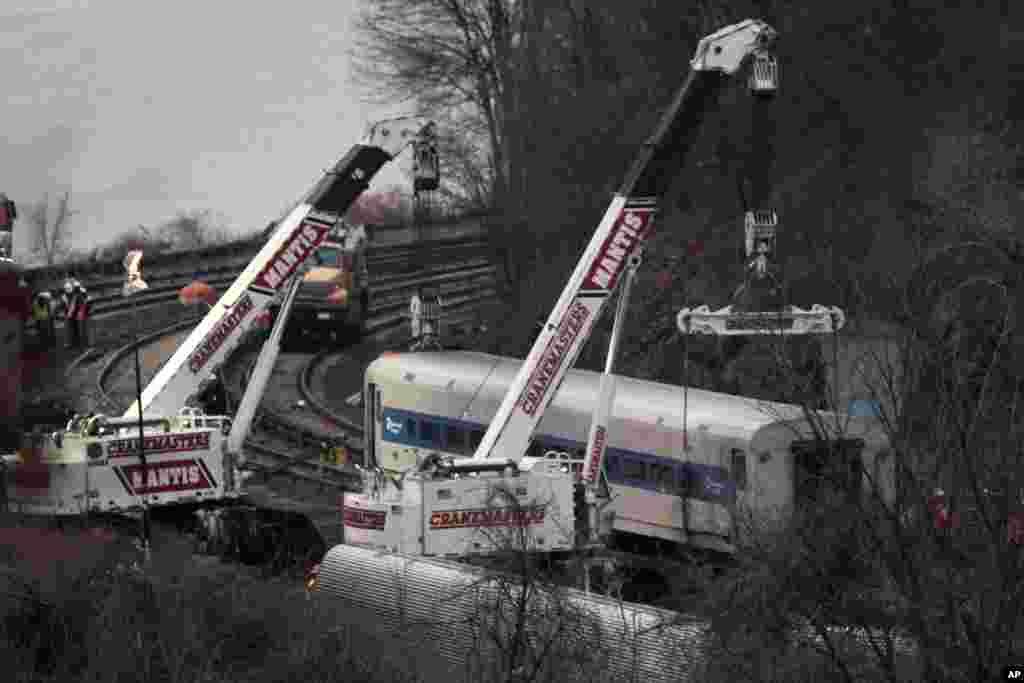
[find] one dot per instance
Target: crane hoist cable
(762, 151)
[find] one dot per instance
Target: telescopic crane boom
(292, 242)
(621, 234)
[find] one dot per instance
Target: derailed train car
(453, 622)
(442, 620)
(682, 485)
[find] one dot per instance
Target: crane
(294, 239)
(97, 464)
(437, 508)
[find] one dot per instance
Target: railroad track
(286, 435)
(385, 264)
(297, 416)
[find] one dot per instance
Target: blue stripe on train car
(864, 408)
(624, 467)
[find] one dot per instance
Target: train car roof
(636, 399)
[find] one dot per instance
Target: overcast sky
(141, 109)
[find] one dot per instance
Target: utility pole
(146, 535)
(134, 283)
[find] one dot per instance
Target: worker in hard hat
(83, 312)
(416, 314)
(340, 454)
(8, 214)
(42, 320)
(70, 301)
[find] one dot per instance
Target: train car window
(654, 471)
(410, 427)
(456, 439)
(327, 257)
(428, 432)
(634, 470)
(664, 479)
(611, 465)
(738, 462)
(475, 437)
(580, 453)
(683, 480)
(537, 449)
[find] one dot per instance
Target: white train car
(738, 454)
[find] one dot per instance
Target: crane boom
(292, 242)
(622, 232)
(261, 372)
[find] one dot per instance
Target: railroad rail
(278, 434)
(108, 273)
(387, 265)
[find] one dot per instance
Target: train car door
(371, 408)
(737, 462)
(735, 467)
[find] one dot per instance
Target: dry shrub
(184, 619)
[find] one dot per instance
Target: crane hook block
(788, 320)
(759, 230)
(764, 74)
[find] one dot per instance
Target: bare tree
(50, 229)
(151, 242)
(193, 230)
(918, 560)
(457, 60)
(441, 55)
(467, 172)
